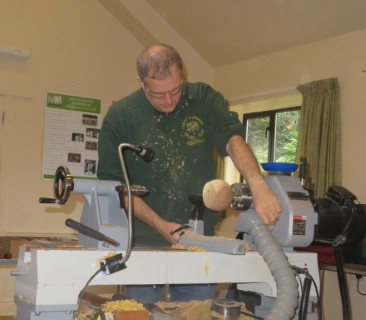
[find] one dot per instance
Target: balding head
(156, 61)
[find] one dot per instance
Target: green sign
(73, 103)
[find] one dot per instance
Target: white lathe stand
(48, 281)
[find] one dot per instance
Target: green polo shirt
(183, 142)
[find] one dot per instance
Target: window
(273, 134)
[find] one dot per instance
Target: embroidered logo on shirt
(193, 130)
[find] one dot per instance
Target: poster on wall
(71, 133)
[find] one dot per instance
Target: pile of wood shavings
(191, 248)
(122, 305)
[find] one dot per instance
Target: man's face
(164, 94)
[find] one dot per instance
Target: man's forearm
(244, 160)
(146, 214)
(266, 204)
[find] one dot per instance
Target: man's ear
(142, 84)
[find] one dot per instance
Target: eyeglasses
(162, 95)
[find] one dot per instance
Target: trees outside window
(273, 134)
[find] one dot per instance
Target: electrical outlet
(112, 264)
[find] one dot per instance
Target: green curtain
(320, 134)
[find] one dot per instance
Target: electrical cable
(320, 307)
(82, 291)
(358, 286)
(81, 294)
(308, 279)
(305, 292)
(300, 281)
(346, 311)
(304, 301)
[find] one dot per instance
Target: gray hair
(155, 62)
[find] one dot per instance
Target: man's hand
(165, 228)
(266, 204)
(144, 213)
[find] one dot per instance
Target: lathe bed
(48, 281)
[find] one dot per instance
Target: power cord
(359, 277)
(299, 280)
(305, 292)
(108, 267)
(81, 293)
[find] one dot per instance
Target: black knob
(47, 200)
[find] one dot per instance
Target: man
(183, 123)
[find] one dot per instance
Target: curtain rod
(261, 94)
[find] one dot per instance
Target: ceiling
(227, 31)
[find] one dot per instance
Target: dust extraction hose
(218, 195)
(287, 288)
